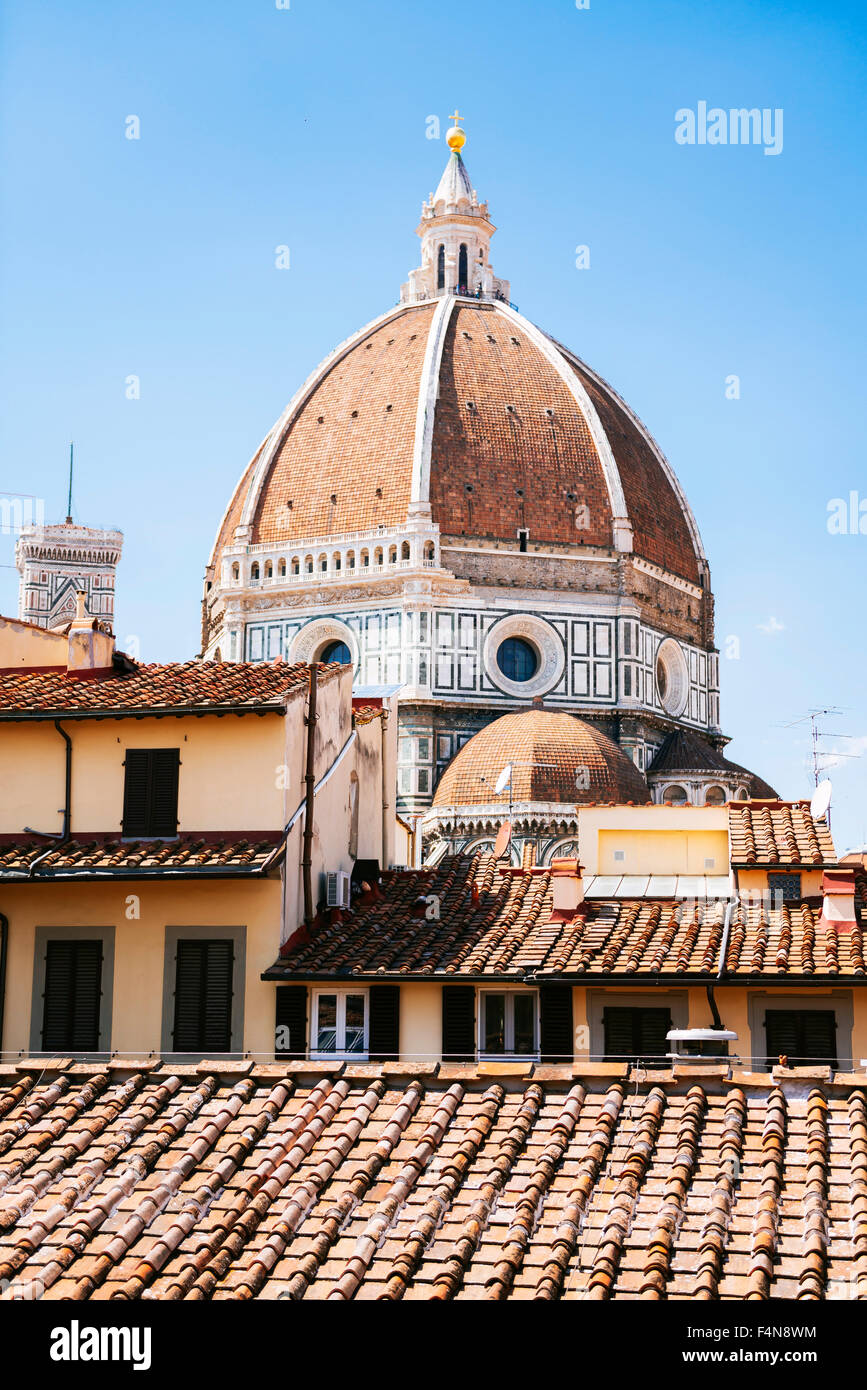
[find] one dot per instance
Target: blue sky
(306, 126)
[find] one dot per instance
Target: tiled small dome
(555, 758)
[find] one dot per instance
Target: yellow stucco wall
(23, 645)
(675, 851)
(139, 951)
(228, 775)
(421, 1022)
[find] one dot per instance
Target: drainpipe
(310, 784)
(723, 952)
(385, 801)
(4, 935)
(67, 805)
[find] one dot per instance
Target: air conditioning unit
(337, 889)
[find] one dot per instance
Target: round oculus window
(518, 660)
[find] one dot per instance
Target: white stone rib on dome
(275, 437)
(427, 400)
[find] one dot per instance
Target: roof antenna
(69, 497)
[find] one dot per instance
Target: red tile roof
(200, 686)
(508, 933)
(194, 856)
(778, 835)
(435, 1183)
(554, 756)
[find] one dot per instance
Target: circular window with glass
(517, 659)
(672, 677)
(336, 651)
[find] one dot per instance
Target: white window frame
(338, 1054)
(508, 1053)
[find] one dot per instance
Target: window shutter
(73, 978)
(292, 1014)
(653, 1026)
(801, 1035)
(459, 1023)
(150, 792)
(633, 1033)
(203, 996)
(384, 1037)
(164, 791)
(136, 792)
(555, 1010)
(820, 1036)
(619, 1043)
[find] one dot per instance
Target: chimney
(90, 649)
(567, 889)
(838, 899)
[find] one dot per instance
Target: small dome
(555, 758)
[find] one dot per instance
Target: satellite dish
(821, 800)
(504, 839)
(504, 780)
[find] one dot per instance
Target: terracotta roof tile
(196, 685)
(188, 855)
(166, 1185)
(766, 834)
(508, 931)
(554, 756)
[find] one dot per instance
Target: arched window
(715, 796)
(441, 268)
(308, 563)
(350, 559)
(404, 551)
(335, 560)
(429, 550)
(463, 277)
(377, 555)
(282, 569)
(323, 563)
(296, 565)
(254, 572)
(676, 794)
(236, 572)
(336, 651)
(269, 570)
(392, 554)
(365, 559)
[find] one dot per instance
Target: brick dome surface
(487, 421)
(555, 758)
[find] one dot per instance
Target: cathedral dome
(459, 412)
(554, 757)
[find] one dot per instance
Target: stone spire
(455, 231)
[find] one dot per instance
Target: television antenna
(818, 753)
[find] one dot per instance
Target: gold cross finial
(455, 137)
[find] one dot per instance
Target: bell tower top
(455, 231)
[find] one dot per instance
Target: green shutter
(555, 1015)
(384, 1036)
(73, 993)
(291, 1014)
(150, 792)
(203, 996)
(802, 1036)
(459, 1023)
